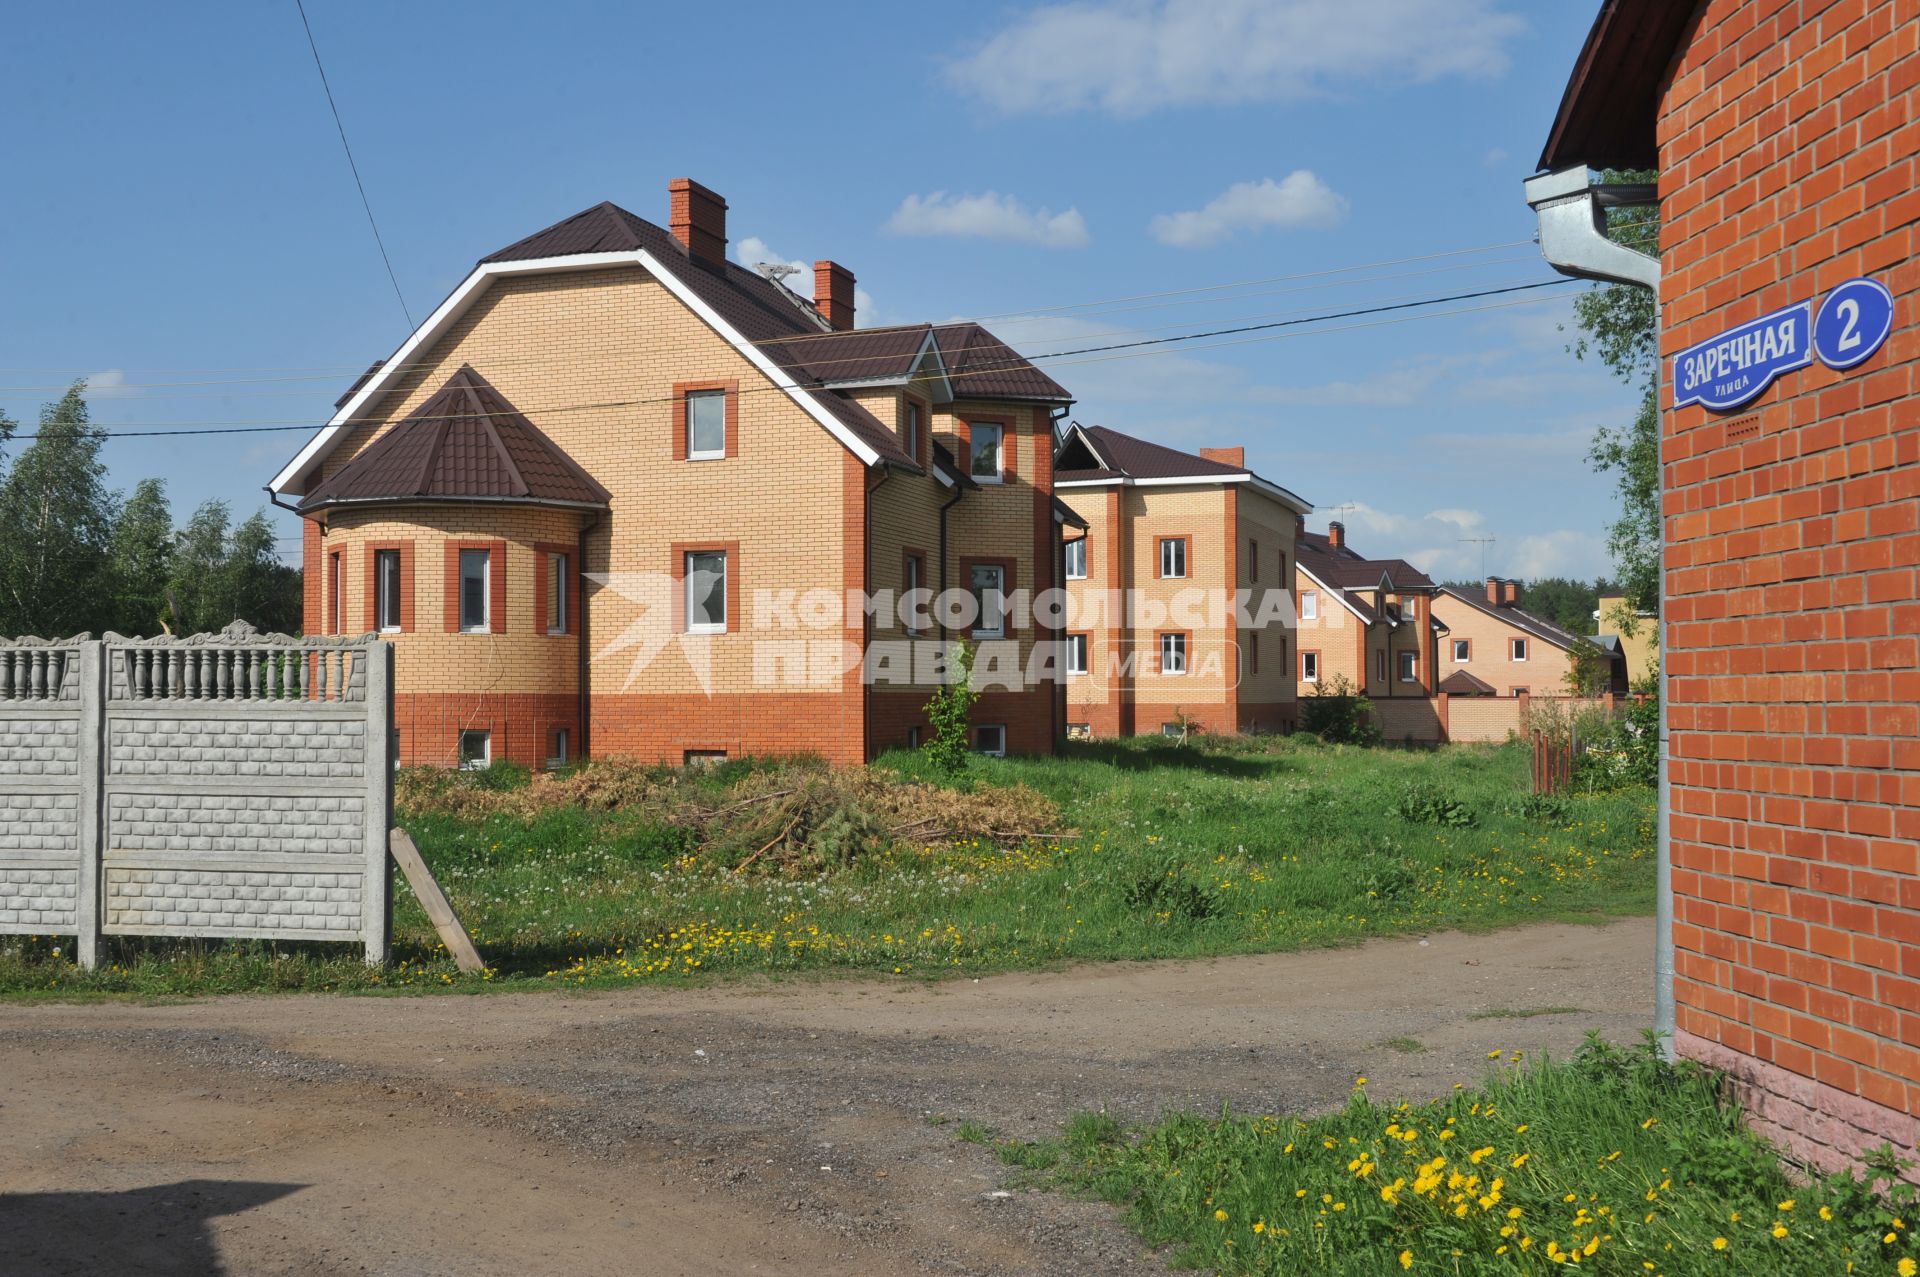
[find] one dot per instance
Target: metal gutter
(1573, 238)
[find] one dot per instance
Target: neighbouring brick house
(613, 495)
(1367, 621)
(1155, 640)
(1494, 647)
(1788, 150)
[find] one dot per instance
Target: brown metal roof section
(1140, 459)
(1527, 622)
(1068, 515)
(1461, 683)
(981, 366)
(860, 354)
(1609, 113)
(465, 443)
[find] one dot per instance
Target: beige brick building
(1369, 622)
(1177, 591)
(619, 495)
(1494, 647)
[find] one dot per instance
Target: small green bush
(1422, 803)
(1339, 714)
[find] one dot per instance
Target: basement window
(990, 738)
(703, 757)
(476, 750)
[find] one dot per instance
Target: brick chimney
(698, 220)
(1496, 591)
(1337, 534)
(833, 294)
(1513, 593)
(1226, 456)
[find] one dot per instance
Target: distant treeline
(1568, 604)
(76, 557)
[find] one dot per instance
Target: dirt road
(778, 1128)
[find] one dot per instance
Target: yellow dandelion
(1907, 1268)
(1406, 1261)
(1220, 1215)
(1719, 1243)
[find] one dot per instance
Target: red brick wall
(430, 724)
(1788, 165)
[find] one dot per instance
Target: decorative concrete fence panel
(231, 784)
(48, 760)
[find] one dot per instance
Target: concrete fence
(231, 784)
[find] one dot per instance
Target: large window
(988, 447)
(386, 590)
(476, 604)
(1409, 667)
(1077, 559)
(989, 584)
(1076, 654)
(556, 593)
(706, 586)
(1309, 667)
(706, 425)
(1173, 654)
(1173, 557)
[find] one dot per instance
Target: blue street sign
(1729, 370)
(1853, 322)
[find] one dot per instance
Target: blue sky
(183, 227)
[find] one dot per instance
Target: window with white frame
(1077, 559)
(1462, 651)
(1076, 654)
(1173, 557)
(476, 750)
(1519, 649)
(559, 747)
(911, 425)
(703, 757)
(989, 584)
(988, 446)
(1409, 667)
(1309, 605)
(706, 591)
(1518, 691)
(706, 425)
(556, 593)
(990, 738)
(1173, 654)
(386, 590)
(1309, 667)
(476, 590)
(336, 578)
(913, 579)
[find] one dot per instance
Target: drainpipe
(958, 492)
(585, 679)
(866, 613)
(1573, 237)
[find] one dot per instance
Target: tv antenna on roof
(1483, 543)
(776, 271)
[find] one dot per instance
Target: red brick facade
(1789, 153)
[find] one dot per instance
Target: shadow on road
(160, 1229)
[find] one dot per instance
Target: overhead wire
(1132, 349)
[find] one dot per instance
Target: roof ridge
(472, 386)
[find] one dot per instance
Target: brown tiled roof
(1141, 459)
(865, 354)
(982, 366)
(1537, 626)
(465, 443)
(1461, 683)
(1345, 567)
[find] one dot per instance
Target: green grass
(1180, 851)
(1524, 1013)
(1629, 1163)
(1404, 1046)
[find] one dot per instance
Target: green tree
(196, 585)
(254, 585)
(56, 519)
(1619, 325)
(139, 561)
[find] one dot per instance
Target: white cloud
(109, 383)
(989, 216)
(1495, 157)
(1129, 57)
(1298, 201)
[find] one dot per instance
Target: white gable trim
(1338, 594)
(462, 298)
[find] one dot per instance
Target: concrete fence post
(377, 894)
(92, 729)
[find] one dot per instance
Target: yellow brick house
(617, 495)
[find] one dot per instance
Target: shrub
(1426, 804)
(1338, 714)
(949, 713)
(1168, 893)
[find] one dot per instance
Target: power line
(364, 202)
(1108, 352)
